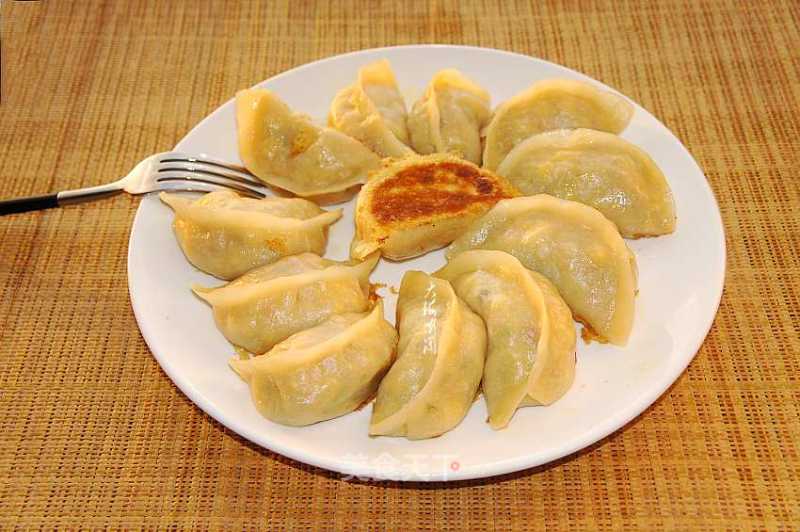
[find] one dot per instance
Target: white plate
(680, 281)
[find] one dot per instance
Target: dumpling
(450, 116)
(599, 169)
(286, 150)
(577, 248)
(373, 111)
(552, 104)
(434, 381)
(420, 203)
(323, 372)
(269, 304)
(531, 359)
(227, 235)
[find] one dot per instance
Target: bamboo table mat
(93, 433)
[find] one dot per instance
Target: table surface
(93, 433)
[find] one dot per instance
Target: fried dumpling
(449, 117)
(599, 169)
(577, 248)
(431, 386)
(323, 372)
(286, 150)
(372, 111)
(552, 104)
(226, 235)
(420, 203)
(268, 304)
(531, 358)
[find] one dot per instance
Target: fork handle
(31, 203)
(58, 199)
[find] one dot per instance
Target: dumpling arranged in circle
(531, 357)
(574, 246)
(449, 117)
(435, 379)
(268, 304)
(599, 169)
(323, 372)
(372, 111)
(287, 150)
(552, 104)
(227, 235)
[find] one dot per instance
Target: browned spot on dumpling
(430, 190)
(588, 334)
(373, 295)
(276, 245)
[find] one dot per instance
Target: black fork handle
(59, 199)
(31, 203)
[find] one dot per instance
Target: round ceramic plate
(680, 284)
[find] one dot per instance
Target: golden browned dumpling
(285, 149)
(552, 104)
(420, 203)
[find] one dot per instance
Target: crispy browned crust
(431, 189)
(366, 401)
(373, 296)
(588, 334)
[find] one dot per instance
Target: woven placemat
(92, 433)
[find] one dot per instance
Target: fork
(163, 171)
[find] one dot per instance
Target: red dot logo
(455, 466)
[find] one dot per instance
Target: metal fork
(163, 171)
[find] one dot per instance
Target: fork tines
(175, 166)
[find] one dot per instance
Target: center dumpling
(420, 203)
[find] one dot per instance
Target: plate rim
(598, 432)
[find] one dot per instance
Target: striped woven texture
(92, 432)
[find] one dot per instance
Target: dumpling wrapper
(431, 386)
(372, 111)
(574, 246)
(269, 304)
(449, 117)
(323, 372)
(286, 150)
(531, 358)
(552, 104)
(599, 169)
(226, 235)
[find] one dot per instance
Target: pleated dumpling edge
(439, 366)
(450, 116)
(531, 352)
(552, 104)
(287, 150)
(322, 372)
(575, 247)
(600, 169)
(373, 111)
(227, 235)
